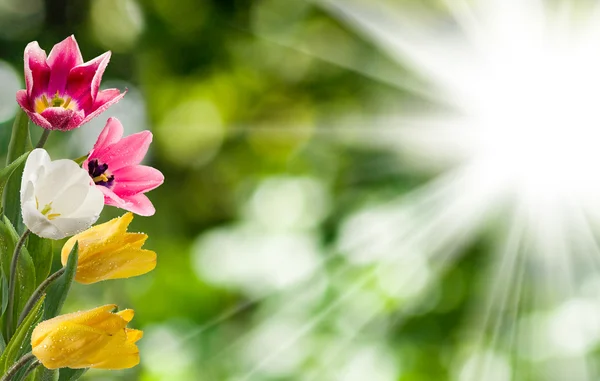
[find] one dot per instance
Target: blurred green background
(265, 191)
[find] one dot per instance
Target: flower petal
(38, 223)
(98, 239)
(128, 151)
(104, 100)
(83, 81)
(138, 204)
(24, 102)
(37, 71)
(125, 262)
(63, 57)
(119, 353)
(90, 208)
(69, 345)
(59, 176)
(136, 179)
(35, 166)
(63, 119)
(112, 133)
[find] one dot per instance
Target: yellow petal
(126, 315)
(133, 335)
(99, 237)
(48, 326)
(69, 345)
(119, 353)
(96, 338)
(125, 263)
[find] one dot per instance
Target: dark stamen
(97, 173)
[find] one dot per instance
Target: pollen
(42, 102)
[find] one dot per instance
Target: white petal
(84, 216)
(60, 175)
(70, 199)
(75, 202)
(38, 223)
(91, 206)
(34, 167)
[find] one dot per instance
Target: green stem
(31, 368)
(37, 294)
(43, 138)
(12, 283)
(16, 367)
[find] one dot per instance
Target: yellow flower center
(42, 103)
(46, 210)
(100, 178)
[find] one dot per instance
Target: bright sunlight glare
(522, 80)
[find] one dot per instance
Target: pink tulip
(63, 92)
(113, 164)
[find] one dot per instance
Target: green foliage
(25, 282)
(57, 292)
(20, 344)
(40, 250)
(6, 172)
(67, 374)
(20, 143)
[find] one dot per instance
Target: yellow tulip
(107, 251)
(96, 338)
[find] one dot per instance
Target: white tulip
(57, 197)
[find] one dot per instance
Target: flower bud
(96, 338)
(107, 251)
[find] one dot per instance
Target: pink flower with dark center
(113, 165)
(62, 92)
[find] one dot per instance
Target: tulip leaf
(68, 374)
(20, 343)
(20, 143)
(25, 285)
(7, 171)
(43, 374)
(81, 159)
(40, 250)
(4, 293)
(57, 292)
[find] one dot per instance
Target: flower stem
(43, 138)
(31, 368)
(37, 294)
(12, 282)
(16, 367)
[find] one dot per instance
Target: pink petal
(136, 179)
(104, 100)
(62, 119)
(83, 81)
(37, 71)
(23, 100)
(39, 120)
(138, 204)
(126, 152)
(63, 57)
(111, 133)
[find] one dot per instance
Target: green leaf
(81, 159)
(20, 343)
(58, 291)
(20, 142)
(67, 374)
(43, 374)
(40, 250)
(7, 171)
(25, 285)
